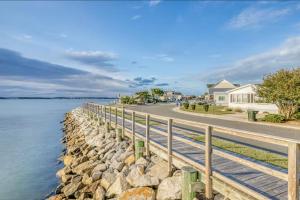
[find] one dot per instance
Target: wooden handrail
(293, 148)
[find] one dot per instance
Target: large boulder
(142, 161)
(96, 175)
(68, 160)
(100, 167)
(159, 170)
(119, 186)
(99, 193)
(108, 178)
(85, 166)
(142, 193)
(117, 165)
(137, 178)
(56, 197)
(169, 189)
(145, 180)
(130, 160)
(86, 180)
(71, 188)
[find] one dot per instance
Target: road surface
(167, 110)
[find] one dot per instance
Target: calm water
(30, 145)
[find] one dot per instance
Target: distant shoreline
(58, 98)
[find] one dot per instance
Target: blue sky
(109, 47)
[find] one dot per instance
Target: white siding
(244, 98)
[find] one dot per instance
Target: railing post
(123, 122)
(133, 128)
(116, 119)
(208, 170)
(189, 176)
(293, 170)
(101, 113)
(147, 134)
(104, 113)
(170, 138)
(109, 115)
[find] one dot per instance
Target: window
(221, 98)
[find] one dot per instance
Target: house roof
(241, 87)
(222, 84)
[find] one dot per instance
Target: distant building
(245, 97)
(218, 92)
(171, 96)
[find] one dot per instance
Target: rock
(71, 188)
(83, 167)
(100, 167)
(145, 180)
(119, 186)
(142, 193)
(107, 179)
(159, 170)
(141, 161)
(96, 175)
(126, 155)
(56, 197)
(117, 165)
(129, 160)
(169, 189)
(86, 180)
(58, 189)
(68, 160)
(66, 178)
(99, 193)
(135, 172)
(60, 173)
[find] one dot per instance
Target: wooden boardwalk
(252, 180)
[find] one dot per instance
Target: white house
(218, 92)
(245, 97)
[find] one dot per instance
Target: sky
(107, 48)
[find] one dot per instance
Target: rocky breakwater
(97, 166)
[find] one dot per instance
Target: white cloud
(100, 59)
(253, 68)
(154, 3)
(23, 37)
(255, 17)
(165, 58)
(135, 17)
(160, 57)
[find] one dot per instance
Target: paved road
(166, 110)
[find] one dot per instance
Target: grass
(138, 120)
(215, 110)
(257, 154)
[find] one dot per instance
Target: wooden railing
(293, 147)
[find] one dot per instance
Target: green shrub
(238, 110)
(201, 103)
(193, 106)
(228, 109)
(125, 99)
(275, 118)
(186, 105)
(297, 115)
(206, 107)
(132, 101)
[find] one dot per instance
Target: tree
(156, 93)
(282, 88)
(125, 99)
(143, 96)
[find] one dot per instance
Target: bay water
(30, 133)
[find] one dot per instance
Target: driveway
(167, 110)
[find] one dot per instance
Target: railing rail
(293, 146)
